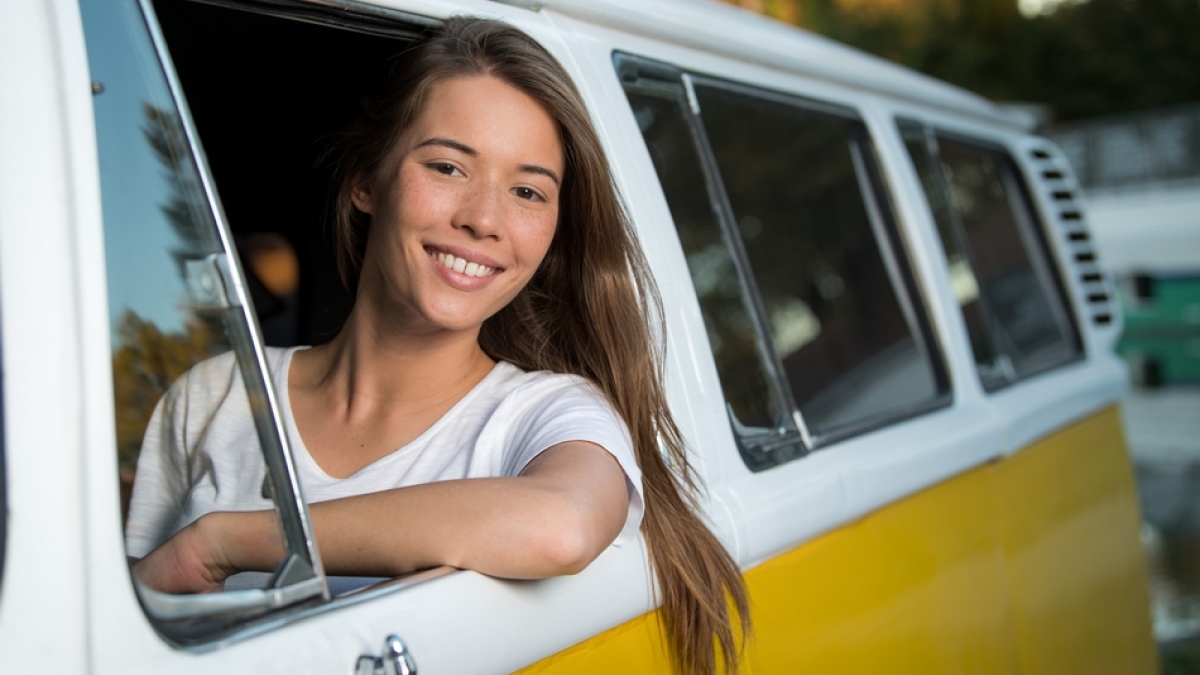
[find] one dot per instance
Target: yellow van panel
(1067, 513)
(1027, 565)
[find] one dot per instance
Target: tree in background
(1110, 56)
(1083, 59)
(145, 363)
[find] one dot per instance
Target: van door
(168, 272)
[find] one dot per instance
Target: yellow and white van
(889, 344)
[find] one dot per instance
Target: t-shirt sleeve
(544, 414)
(161, 484)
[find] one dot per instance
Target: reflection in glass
(167, 296)
(963, 282)
(1004, 282)
(982, 194)
(837, 320)
(756, 406)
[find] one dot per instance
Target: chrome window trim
(272, 622)
(346, 14)
(670, 81)
(297, 532)
(321, 602)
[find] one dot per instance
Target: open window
(815, 322)
(211, 121)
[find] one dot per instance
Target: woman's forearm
(500, 526)
(553, 520)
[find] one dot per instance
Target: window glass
(757, 409)
(171, 296)
(962, 275)
(812, 314)
(841, 317)
(1006, 285)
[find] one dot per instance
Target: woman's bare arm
(564, 509)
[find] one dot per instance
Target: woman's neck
(368, 366)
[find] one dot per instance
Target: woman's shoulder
(534, 397)
(222, 371)
(525, 384)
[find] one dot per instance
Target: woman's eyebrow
(534, 168)
(453, 145)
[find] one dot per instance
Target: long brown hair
(586, 311)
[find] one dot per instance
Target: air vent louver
(1054, 179)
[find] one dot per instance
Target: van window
(174, 297)
(790, 236)
(1007, 287)
(757, 407)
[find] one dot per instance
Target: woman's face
(463, 208)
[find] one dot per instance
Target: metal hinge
(395, 660)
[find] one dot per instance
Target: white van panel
(447, 622)
(44, 567)
(719, 28)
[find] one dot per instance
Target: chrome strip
(690, 90)
(367, 594)
(168, 607)
(741, 263)
(281, 467)
(344, 14)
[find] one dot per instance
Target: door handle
(395, 659)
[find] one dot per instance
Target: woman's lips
(463, 269)
(462, 265)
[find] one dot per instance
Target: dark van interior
(269, 88)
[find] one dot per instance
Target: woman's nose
(480, 212)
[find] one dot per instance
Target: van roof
(729, 30)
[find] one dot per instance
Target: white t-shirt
(201, 451)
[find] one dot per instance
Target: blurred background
(1116, 83)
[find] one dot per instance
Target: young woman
(494, 402)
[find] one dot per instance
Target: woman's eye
(528, 193)
(444, 169)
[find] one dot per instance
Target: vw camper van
(889, 344)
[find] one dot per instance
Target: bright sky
(1035, 7)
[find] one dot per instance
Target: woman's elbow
(567, 554)
(572, 545)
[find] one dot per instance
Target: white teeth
(461, 266)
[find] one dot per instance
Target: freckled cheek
(419, 202)
(536, 236)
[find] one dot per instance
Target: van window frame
(281, 468)
(298, 586)
(337, 592)
(641, 74)
(3, 473)
(1032, 230)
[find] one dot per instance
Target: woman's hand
(192, 561)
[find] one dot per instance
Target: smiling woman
(472, 184)
(494, 401)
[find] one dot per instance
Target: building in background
(1141, 175)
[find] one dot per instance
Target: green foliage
(145, 363)
(1110, 56)
(1093, 58)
